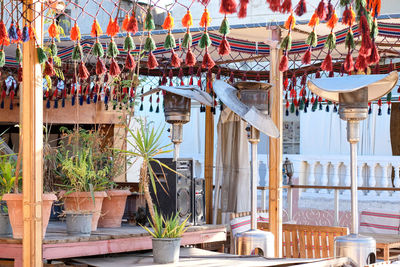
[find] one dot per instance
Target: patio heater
(177, 103)
(249, 100)
(353, 94)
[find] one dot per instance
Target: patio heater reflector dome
(353, 94)
(250, 101)
(177, 103)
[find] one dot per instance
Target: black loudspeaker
(199, 201)
(175, 193)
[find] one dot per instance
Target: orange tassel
(349, 16)
(376, 8)
(290, 22)
(96, 30)
(75, 33)
(152, 61)
(132, 26)
(314, 21)
(205, 19)
(168, 22)
(32, 33)
(53, 31)
(125, 23)
(332, 21)
(187, 20)
(112, 27)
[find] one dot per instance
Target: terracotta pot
(14, 204)
(82, 201)
(113, 208)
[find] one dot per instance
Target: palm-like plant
(146, 146)
(170, 227)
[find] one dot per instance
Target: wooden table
(386, 243)
(58, 244)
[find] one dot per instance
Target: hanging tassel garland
(128, 43)
(327, 63)
(190, 59)
(175, 60)
(132, 26)
(42, 57)
(149, 45)
(187, 20)
(168, 22)
(374, 57)
(100, 67)
(224, 47)
(112, 50)
(286, 6)
(114, 68)
(125, 23)
(307, 57)
(243, 9)
(187, 40)
(208, 62)
(169, 42)
(312, 39)
(284, 64)
(96, 30)
(152, 61)
(205, 41)
(349, 16)
(130, 63)
(228, 7)
(98, 49)
(25, 34)
(149, 21)
(301, 8)
(83, 71)
(77, 52)
(205, 19)
(321, 10)
(348, 63)
(361, 63)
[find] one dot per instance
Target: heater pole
(353, 138)
(253, 139)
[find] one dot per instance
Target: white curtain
(325, 133)
(232, 165)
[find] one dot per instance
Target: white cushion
(242, 224)
(379, 222)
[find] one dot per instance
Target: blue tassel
(151, 108)
(287, 112)
(141, 107)
(320, 106)
(12, 33)
(73, 100)
(297, 112)
(48, 103)
(88, 100)
(335, 108)
(2, 104)
(106, 99)
(63, 102)
(388, 111)
(327, 108)
(56, 103)
(11, 105)
(25, 34)
(305, 109)
(158, 109)
(95, 98)
(81, 100)
(369, 110)
(379, 111)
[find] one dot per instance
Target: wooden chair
(308, 241)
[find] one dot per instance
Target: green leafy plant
(170, 227)
(7, 177)
(146, 146)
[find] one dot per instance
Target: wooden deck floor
(58, 244)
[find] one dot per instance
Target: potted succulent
(84, 179)
(166, 235)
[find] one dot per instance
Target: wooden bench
(308, 241)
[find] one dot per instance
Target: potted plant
(166, 235)
(6, 186)
(10, 168)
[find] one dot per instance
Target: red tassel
(48, 68)
(228, 7)
(3, 32)
(307, 57)
(301, 8)
(348, 17)
(366, 42)
(152, 61)
(224, 47)
(100, 67)
(243, 8)
(284, 64)
(327, 63)
(114, 68)
(19, 76)
(175, 60)
(83, 72)
(130, 63)
(231, 77)
(208, 62)
(274, 5)
(349, 63)
(374, 57)
(132, 26)
(329, 10)
(190, 59)
(286, 6)
(304, 79)
(361, 63)
(321, 11)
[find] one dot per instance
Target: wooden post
(275, 144)
(31, 120)
(209, 159)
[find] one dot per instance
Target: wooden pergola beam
(32, 142)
